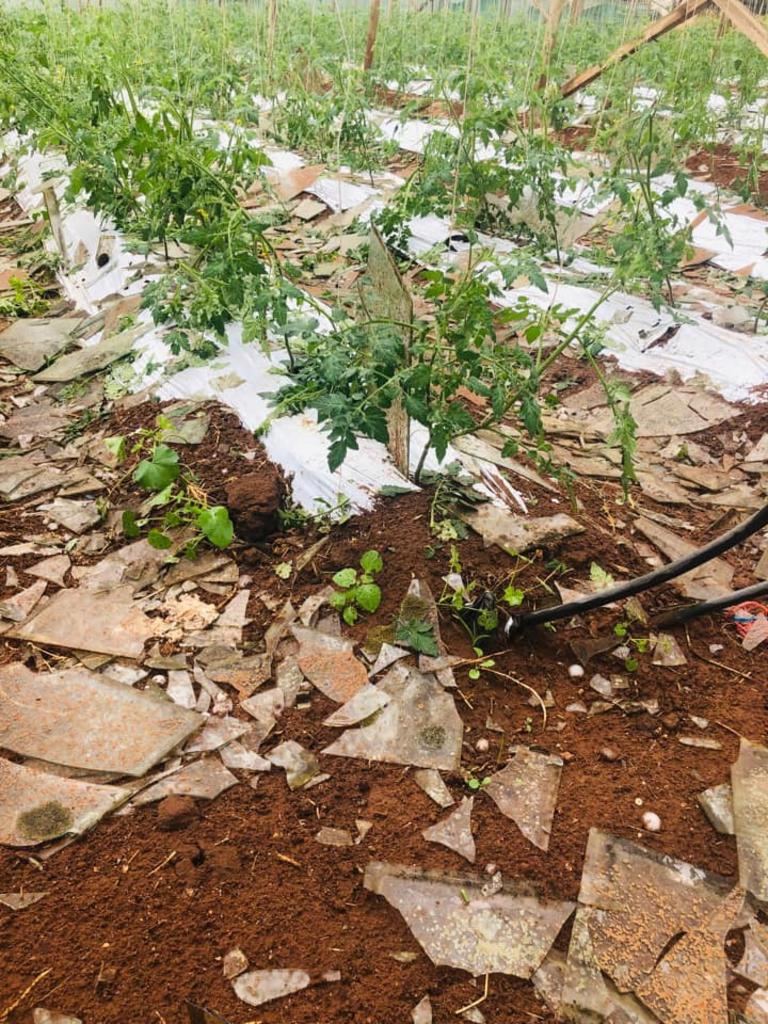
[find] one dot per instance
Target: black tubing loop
(655, 578)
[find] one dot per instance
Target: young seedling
(357, 590)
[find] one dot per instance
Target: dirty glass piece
(42, 1016)
(20, 900)
(518, 533)
(257, 987)
(431, 781)
(329, 664)
(235, 962)
(334, 837)
(36, 806)
(180, 688)
(422, 1011)
(300, 765)
(204, 779)
(17, 607)
(215, 733)
(238, 755)
(95, 357)
(76, 718)
(717, 804)
(457, 926)
(690, 985)
(754, 961)
(107, 623)
(419, 603)
(749, 779)
(30, 343)
(387, 656)
(667, 652)
(756, 1010)
(75, 516)
(641, 900)
(455, 831)
(366, 702)
(53, 569)
(584, 994)
(420, 726)
(526, 792)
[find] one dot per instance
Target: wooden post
(373, 28)
(745, 21)
(271, 33)
(683, 12)
(556, 8)
(54, 217)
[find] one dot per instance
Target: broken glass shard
(257, 987)
(301, 765)
(420, 726)
(749, 779)
(526, 792)
(717, 804)
(106, 623)
(76, 718)
(637, 901)
(366, 702)
(422, 1011)
(455, 831)
(431, 781)
(508, 933)
(204, 779)
(36, 806)
(689, 985)
(329, 664)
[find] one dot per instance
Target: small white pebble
(482, 745)
(651, 822)
(490, 869)
(715, 648)
(638, 801)
(575, 671)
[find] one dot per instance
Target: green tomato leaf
(350, 615)
(130, 524)
(216, 526)
(368, 596)
(163, 468)
(345, 578)
(116, 446)
(159, 540)
(372, 562)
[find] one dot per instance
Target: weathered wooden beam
(373, 28)
(679, 15)
(745, 21)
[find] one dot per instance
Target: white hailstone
(490, 869)
(638, 801)
(482, 746)
(651, 822)
(575, 671)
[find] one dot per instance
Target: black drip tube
(651, 579)
(676, 616)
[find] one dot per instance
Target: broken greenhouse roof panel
(76, 718)
(457, 926)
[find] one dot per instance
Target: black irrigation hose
(651, 579)
(676, 616)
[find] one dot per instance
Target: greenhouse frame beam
(734, 10)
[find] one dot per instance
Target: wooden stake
(271, 33)
(745, 21)
(54, 216)
(683, 12)
(556, 8)
(373, 28)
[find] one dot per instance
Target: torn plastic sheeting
(457, 926)
(635, 900)
(36, 807)
(76, 718)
